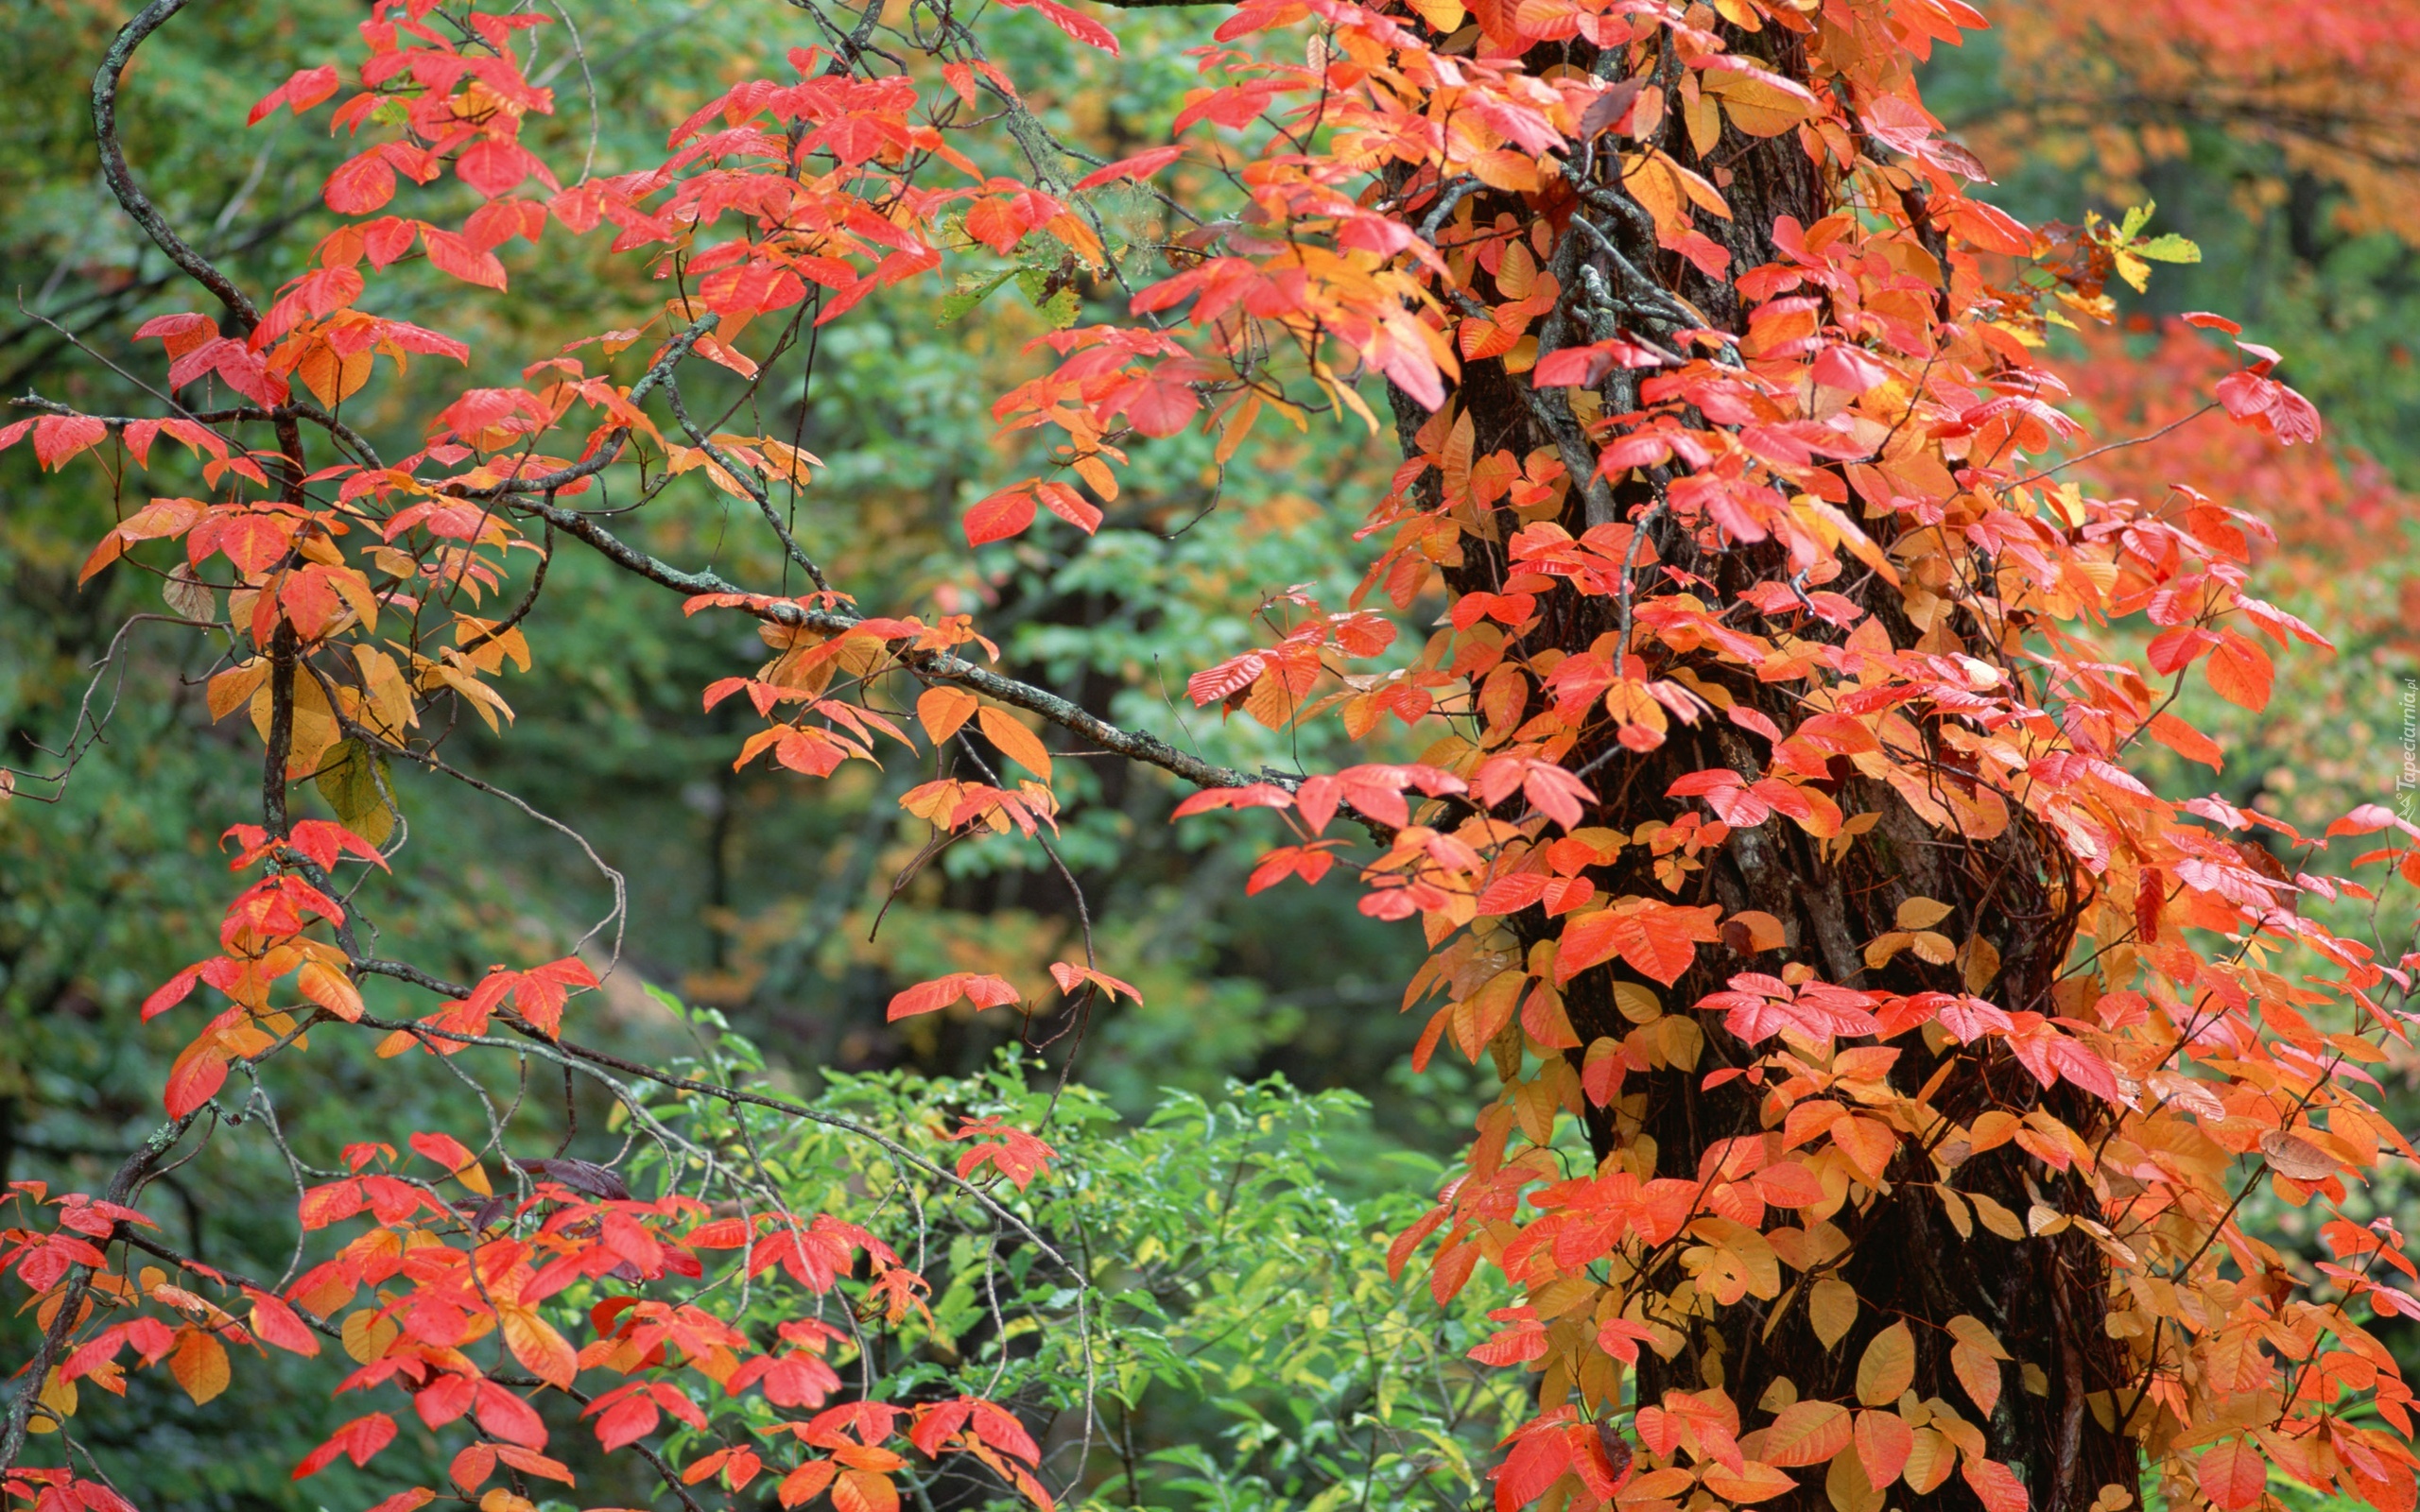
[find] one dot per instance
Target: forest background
(753, 898)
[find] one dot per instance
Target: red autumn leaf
(1074, 23)
(1140, 166)
(1000, 516)
(356, 1440)
(927, 997)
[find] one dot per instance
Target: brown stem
(121, 1189)
(121, 179)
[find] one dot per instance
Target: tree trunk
(2067, 1382)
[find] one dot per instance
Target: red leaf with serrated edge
(927, 997)
(1539, 1456)
(1068, 976)
(171, 992)
(503, 1413)
(1995, 1484)
(361, 184)
(1069, 505)
(624, 1415)
(1004, 514)
(273, 1322)
(1018, 1155)
(1074, 23)
(56, 437)
(356, 1440)
(2232, 1474)
(1883, 1442)
(195, 1077)
(1159, 407)
(1139, 167)
(455, 254)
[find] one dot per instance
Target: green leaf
(956, 306)
(351, 780)
(2169, 249)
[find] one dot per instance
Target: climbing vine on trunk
(1883, 1064)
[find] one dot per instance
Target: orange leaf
(1018, 744)
(2239, 671)
(535, 1342)
(1806, 1432)
(1978, 1373)
(2185, 741)
(200, 1363)
(330, 988)
(1755, 1481)
(940, 711)
(864, 1491)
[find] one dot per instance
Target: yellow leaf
(391, 697)
(1705, 120)
(1879, 953)
(1971, 1331)
(1513, 172)
(940, 711)
(1938, 949)
(1929, 1461)
(366, 1335)
(1831, 1307)
(1888, 1368)
(1960, 1217)
(60, 1396)
(1923, 913)
(1978, 964)
(1846, 1488)
(1755, 107)
(1239, 421)
(1095, 471)
(1637, 1003)
(349, 780)
(1018, 744)
(1995, 1217)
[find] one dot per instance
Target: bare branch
(121, 179)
